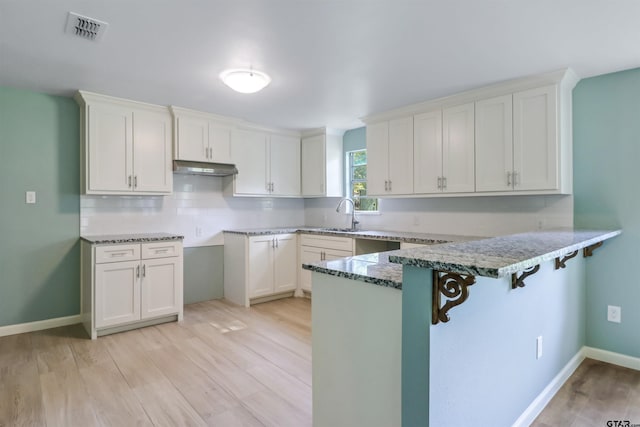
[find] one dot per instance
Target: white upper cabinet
(201, 137)
(427, 148)
(321, 165)
(390, 157)
(517, 142)
(268, 164)
(250, 151)
(284, 166)
(535, 139)
(444, 151)
(126, 146)
(494, 144)
(458, 158)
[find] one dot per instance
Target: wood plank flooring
(597, 392)
(223, 365)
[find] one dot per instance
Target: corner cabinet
(201, 137)
(316, 248)
(268, 164)
(125, 146)
(125, 286)
(321, 165)
(390, 157)
(259, 268)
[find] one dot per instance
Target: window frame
(350, 181)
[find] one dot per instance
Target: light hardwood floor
(596, 393)
(223, 365)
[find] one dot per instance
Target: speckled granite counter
(370, 268)
(394, 236)
(130, 238)
(501, 256)
(492, 257)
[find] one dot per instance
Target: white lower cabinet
(257, 267)
(129, 285)
(316, 248)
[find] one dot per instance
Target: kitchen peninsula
(460, 342)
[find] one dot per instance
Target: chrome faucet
(354, 223)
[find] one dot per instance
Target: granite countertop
(491, 257)
(501, 256)
(370, 268)
(397, 236)
(130, 238)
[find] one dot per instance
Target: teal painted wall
(606, 121)
(203, 273)
(39, 246)
(354, 139)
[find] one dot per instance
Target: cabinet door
(308, 255)
(285, 263)
(494, 144)
(458, 158)
(377, 158)
(220, 143)
(249, 151)
(535, 141)
(313, 166)
(193, 139)
(161, 287)
(427, 146)
(285, 165)
(401, 156)
(152, 152)
(117, 299)
(109, 148)
(261, 266)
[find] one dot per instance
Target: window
(357, 181)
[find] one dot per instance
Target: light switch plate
(30, 197)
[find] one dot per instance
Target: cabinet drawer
(116, 253)
(327, 242)
(161, 249)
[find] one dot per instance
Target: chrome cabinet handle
(135, 181)
(516, 181)
(439, 183)
(277, 243)
(129, 180)
(144, 270)
(138, 271)
(389, 185)
(444, 182)
(386, 186)
(508, 179)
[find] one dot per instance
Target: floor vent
(85, 27)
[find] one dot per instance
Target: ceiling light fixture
(245, 81)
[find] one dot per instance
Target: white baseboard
(541, 401)
(39, 325)
(613, 358)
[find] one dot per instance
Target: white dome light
(245, 81)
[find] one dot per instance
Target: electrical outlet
(614, 314)
(30, 197)
(539, 347)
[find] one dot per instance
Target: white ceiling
(331, 61)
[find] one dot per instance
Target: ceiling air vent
(85, 27)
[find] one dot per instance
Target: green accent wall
(203, 273)
(606, 121)
(39, 243)
(355, 139)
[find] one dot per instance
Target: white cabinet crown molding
(567, 78)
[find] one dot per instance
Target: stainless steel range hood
(202, 168)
